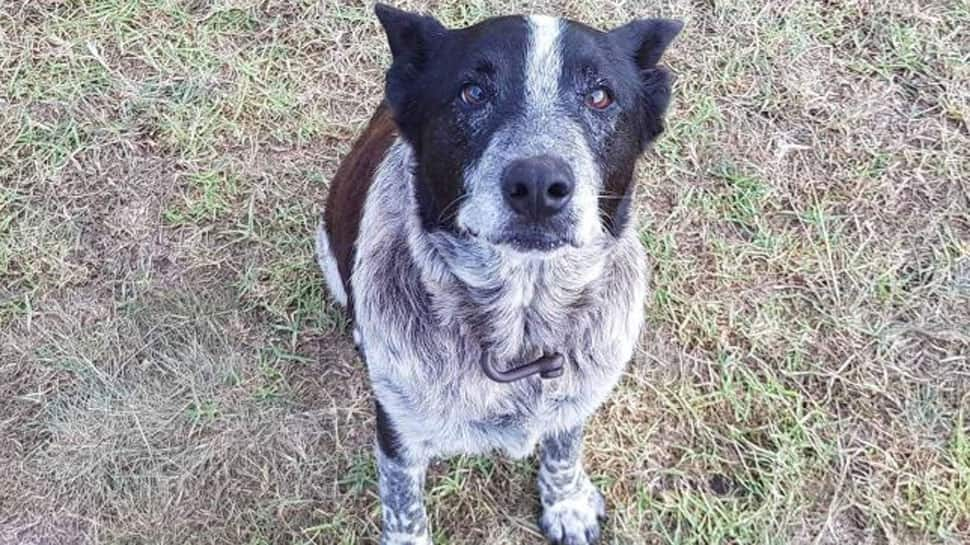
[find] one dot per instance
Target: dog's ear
(645, 41)
(412, 37)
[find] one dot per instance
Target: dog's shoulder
(349, 188)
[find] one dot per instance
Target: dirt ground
(171, 371)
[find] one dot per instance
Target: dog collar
(547, 367)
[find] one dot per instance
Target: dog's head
(526, 130)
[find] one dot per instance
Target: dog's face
(526, 130)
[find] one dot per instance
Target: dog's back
(337, 238)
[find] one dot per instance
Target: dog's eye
(599, 98)
(473, 94)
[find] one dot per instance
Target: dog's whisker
(454, 204)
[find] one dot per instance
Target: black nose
(538, 187)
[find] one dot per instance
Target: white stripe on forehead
(544, 63)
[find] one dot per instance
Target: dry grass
(170, 371)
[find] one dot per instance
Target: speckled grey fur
(429, 306)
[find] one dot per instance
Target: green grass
(208, 196)
(171, 370)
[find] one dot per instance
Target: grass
(171, 371)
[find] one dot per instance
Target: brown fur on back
(348, 191)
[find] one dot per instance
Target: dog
(482, 237)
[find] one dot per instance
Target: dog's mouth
(533, 242)
(527, 239)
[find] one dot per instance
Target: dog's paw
(575, 519)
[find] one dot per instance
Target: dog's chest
(434, 385)
(519, 314)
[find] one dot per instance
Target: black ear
(646, 39)
(411, 37)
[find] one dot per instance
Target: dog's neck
(485, 268)
(515, 306)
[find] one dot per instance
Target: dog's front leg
(400, 477)
(571, 506)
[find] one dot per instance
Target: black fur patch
(387, 437)
(448, 135)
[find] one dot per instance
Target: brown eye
(473, 95)
(599, 99)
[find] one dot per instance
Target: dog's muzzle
(547, 367)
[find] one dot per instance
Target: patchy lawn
(171, 371)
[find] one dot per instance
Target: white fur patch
(328, 264)
(544, 63)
